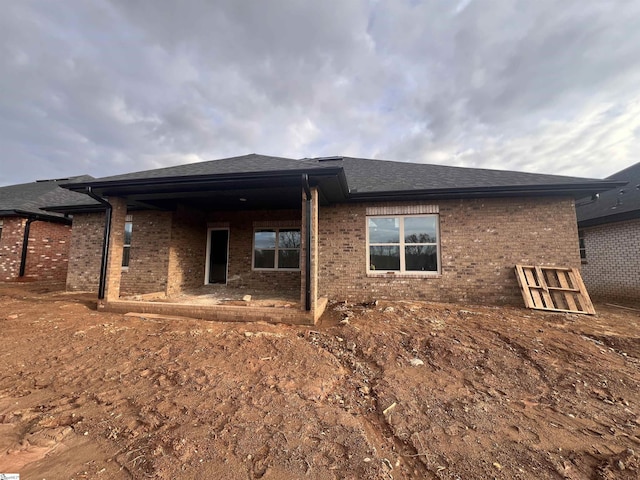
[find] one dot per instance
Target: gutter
(40, 216)
(577, 190)
(105, 240)
(307, 272)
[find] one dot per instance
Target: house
(34, 243)
(321, 228)
(609, 229)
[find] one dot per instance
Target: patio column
(313, 246)
(116, 240)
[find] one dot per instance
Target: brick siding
(481, 242)
(168, 251)
(11, 247)
(47, 252)
(187, 251)
(85, 252)
(149, 253)
(241, 226)
(612, 268)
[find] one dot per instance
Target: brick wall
(149, 253)
(187, 250)
(11, 247)
(47, 252)
(481, 242)
(85, 252)
(241, 226)
(168, 251)
(612, 268)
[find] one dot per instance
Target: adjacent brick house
(610, 240)
(34, 243)
(338, 227)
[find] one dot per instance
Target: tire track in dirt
(180, 398)
(366, 372)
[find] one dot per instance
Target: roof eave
(34, 215)
(200, 179)
(612, 218)
(571, 190)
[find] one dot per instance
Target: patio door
(217, 255)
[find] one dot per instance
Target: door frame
(207, 265)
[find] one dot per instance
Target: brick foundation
(612, 268)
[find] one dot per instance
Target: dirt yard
(387, 391)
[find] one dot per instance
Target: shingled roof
(29, 199)
(251, 163)
(622, 203)
(355, 179)
(371, 176)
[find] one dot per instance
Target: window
(583, 249)
(404, 244)
(276, 249)
(126, 243)
(1, 224)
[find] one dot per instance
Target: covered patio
(225, 246)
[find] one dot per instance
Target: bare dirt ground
(400, 390)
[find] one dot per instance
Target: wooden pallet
(554, 289)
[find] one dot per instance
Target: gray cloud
(106, 87)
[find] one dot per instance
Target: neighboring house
(609, 229)
(339, 228)
(33, 242)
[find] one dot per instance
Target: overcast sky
(111, 86)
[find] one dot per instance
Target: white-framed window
(126, 243)
(276, 249)
(583, 248)
(407, 244)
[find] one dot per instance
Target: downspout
(307, 192)
(105, 240)
(25, 245)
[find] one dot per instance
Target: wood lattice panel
(553, 288)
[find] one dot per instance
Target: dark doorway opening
(218, 256)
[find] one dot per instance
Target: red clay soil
(399, 390)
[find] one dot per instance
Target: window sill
(403, 275)
(125, 269)
(583, 262)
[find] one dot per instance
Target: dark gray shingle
(33, 197)
(614, 203)
(252, 163)
(367, 175)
